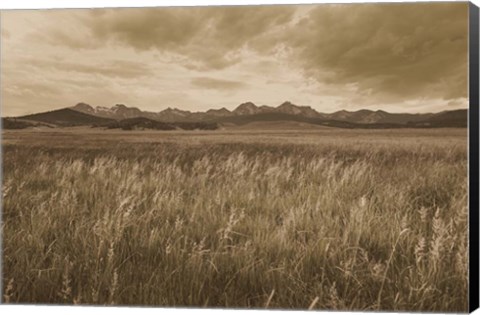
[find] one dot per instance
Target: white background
(32, 4)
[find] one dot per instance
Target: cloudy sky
(396, 57)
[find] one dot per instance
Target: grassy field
(322, 219)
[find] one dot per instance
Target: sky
(410, 57)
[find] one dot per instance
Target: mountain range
(122, 116)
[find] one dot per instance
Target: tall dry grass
(332, 225)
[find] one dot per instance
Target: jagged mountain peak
(247, 108)
(83, 106)
(221, 110)
(247, 105)
(248, 111)
(292, 109)
(124, 107)
(175, 110)
(287, 103)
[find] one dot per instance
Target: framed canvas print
(292, 157)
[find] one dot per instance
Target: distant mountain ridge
(67, 117)
(130, 118)
(363, 116)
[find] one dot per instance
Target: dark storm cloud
(148, 28)
(391, 51)
(64, 38)
(209, 37)
(215, 84)
(410, 56)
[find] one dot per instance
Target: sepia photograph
(289, 157)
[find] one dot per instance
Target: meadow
(311, 219)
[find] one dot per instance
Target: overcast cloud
(396, 57)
